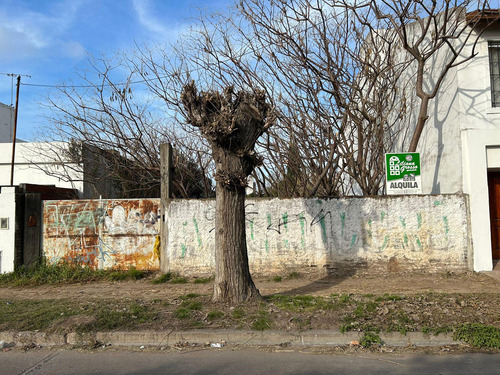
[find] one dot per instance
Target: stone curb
(229, 337)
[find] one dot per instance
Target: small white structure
(6, 123)
(7, 226)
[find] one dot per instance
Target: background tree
(437, 36)
(231, 122)
(114, 132)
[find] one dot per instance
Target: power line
(250, 51)
(90, 86)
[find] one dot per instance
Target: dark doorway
(494, 197)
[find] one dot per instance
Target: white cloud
(145, 15)
(26, 33)
(155, 26)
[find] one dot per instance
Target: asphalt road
(241, 361)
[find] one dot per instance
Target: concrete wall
(403, 232)
(116, 233)
(7, 236)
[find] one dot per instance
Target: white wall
(7, 237)
(28, 156)
(409, 232)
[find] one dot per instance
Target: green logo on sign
(402, 166)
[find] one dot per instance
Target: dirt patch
(396, 302)
(392, 283)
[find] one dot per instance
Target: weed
(344, 298)
(131, 274)
(261, 321)
(202, 280)
(238, 313)
(365, 309)
(65, 272)
(23, 315)
(182, 313)
(295, 303)
(216, 314)
(369, 339)
(277, 279)
(294, 275)
(401, 323)
(436, 330)
(478, 335)
(107, 319)
(179, 280)
(163, 278)
(192, 305)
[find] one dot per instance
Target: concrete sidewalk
(217, 337)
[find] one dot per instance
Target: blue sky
(51, 39)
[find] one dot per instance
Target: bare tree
(436, 36)
(110, 131)
(336, 91)
(231, 122)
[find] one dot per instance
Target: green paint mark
(251, 230)
(406, 239)
(418, 242)
(382, 215)
(446, 226)
(384, 245)
(285, 223)
(353, 240)
(267, 246)
(183, 246)
(402, 220)
(419, 220)
(319, 201)
(197, 231)
(323, 228)
(369, 231)
(269, 220)
(302, 220)
(437, 203)
(285, 220)
(342, 222)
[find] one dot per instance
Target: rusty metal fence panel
(103, 234)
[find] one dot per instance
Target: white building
(460, 144)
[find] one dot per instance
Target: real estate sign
(403, 173)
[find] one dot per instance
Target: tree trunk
(232, 275)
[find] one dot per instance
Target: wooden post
(14, 133)
(166, 176)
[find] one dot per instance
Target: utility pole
(15, 131)
(15, 122)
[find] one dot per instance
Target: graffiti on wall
(102, 233)
(319, 231)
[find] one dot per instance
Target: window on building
(494, 53)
